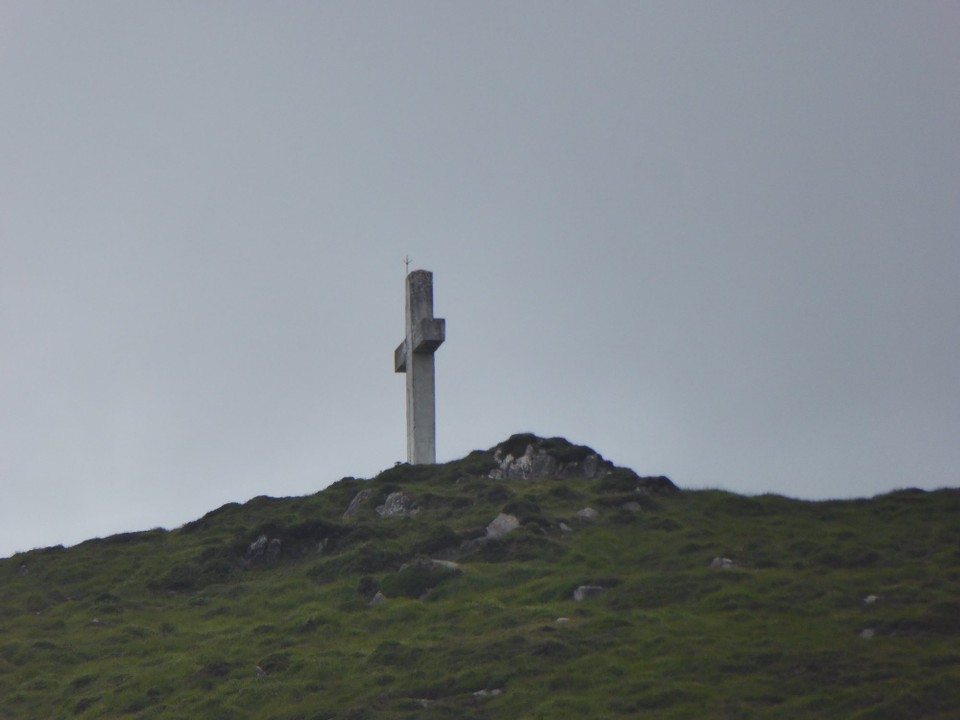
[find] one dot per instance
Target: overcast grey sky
(717, 241)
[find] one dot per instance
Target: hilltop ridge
(532, 579)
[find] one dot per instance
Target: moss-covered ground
(190, 623)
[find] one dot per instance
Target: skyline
(717, 243)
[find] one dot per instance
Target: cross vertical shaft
(414, 356)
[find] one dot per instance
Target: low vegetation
(846, 609)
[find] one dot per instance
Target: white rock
(501, 525)
(588, 514)
(398, 504)
(448, 564)
(586, 591)
(867, 633)
(484, 694)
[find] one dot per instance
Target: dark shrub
(415, 580)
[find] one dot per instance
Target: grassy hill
(263, 610)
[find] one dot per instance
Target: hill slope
(263, 610)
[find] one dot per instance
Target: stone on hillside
(587, 591)
(632, 506)
(867, 633)
(501, 525)
(562, 620)
(532, 463)
(398, 504)
(564, 527)
(264, 550)
(258, 547)
(445, 564)
(722, 563)
(377, 599)
(358, 500)
(545, 458)
(588, 514)
(428, 562)
(486, 694)
(525, 456)
(592, 466)
(870, 599)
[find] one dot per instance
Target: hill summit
(534, 579)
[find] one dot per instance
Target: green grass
(175, 624)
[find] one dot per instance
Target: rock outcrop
(526, 456)
(398, 504)
(264, 550)
(546, 458)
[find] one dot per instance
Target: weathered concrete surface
(414, 356)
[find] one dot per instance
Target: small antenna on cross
(406, 261)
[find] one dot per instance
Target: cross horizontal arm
(428, 335)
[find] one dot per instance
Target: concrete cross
(414, 356)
